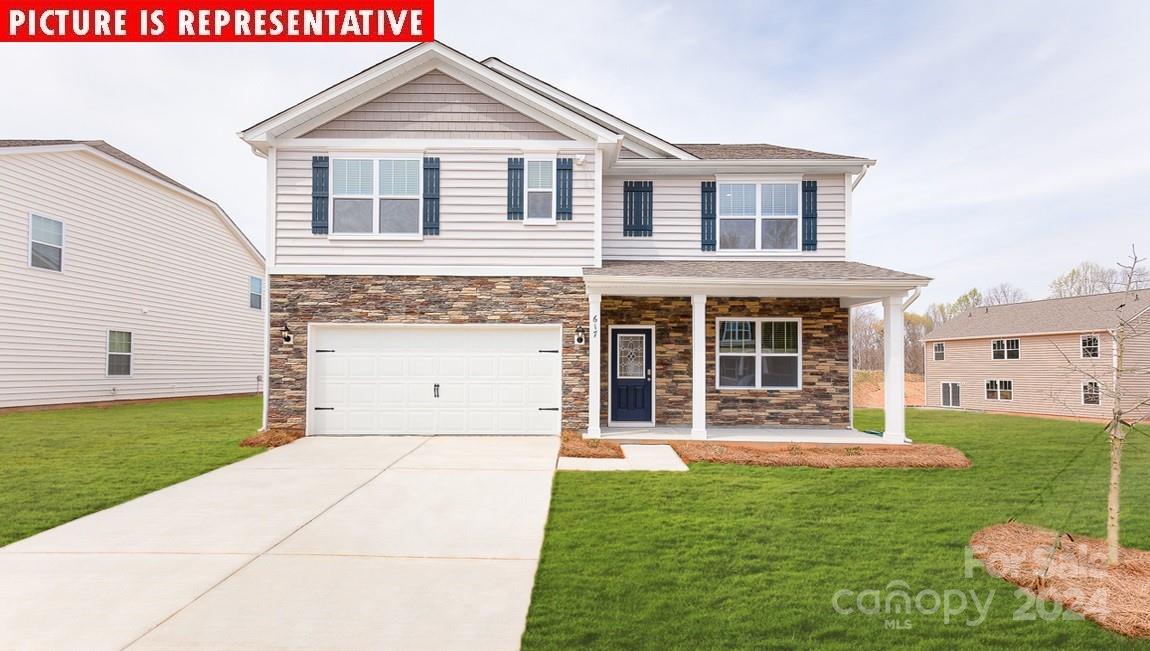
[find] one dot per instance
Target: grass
(731, 557)
(58, 465)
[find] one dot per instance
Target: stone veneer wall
(824, 400)
(297, 300)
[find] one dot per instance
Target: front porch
(750, 351)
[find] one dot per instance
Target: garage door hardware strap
(324, 350)
(548, 409)
(325, 408)
(548, 351)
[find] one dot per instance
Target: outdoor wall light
(286, 334)
(580, 336)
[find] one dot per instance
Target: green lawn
(727, 557)
(58, 465)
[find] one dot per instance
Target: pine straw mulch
(271, 438)
(574, 445)
(915, 455)
(1072, 572)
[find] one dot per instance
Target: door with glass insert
(631, 382)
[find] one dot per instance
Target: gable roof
(1074, 314)
(119, 156)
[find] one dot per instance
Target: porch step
(635, 457)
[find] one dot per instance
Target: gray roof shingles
(830, 270)
(1075, 314)
(758, 151)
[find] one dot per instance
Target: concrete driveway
(327, 543)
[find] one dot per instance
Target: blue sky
(1012, 138)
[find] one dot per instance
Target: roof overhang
(854, 292)
(666, 167)
(410, 64)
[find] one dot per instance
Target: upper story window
(540, 190)
(119, 352)
(759, 353)
(1004, 349)
(256, 292)
(376, 197)
(759, 216)
(1089, 346)
(46, 243)
(939, 351)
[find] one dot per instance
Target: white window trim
(527, 160)
(998, 390)
(940, 347)
(759, 355)
(251, 293)
(108, 353)
(63, 241)
(1082, 393)
(941, 387)
(1005, 349)
(1082, 346)
(758, 182)
(375, 196)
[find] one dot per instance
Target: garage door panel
(382, 380)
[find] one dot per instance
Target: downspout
(912, 298)
(859, 178)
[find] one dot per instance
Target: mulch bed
(574, 445)
(271, 438)
(1071, 571)
(915, 455)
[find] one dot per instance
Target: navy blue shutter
(708, 221)
(515, 188)
(431, 196)
(319, 194)
(638, 209)
(810, 215)
(563, 187)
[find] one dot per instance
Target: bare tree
(915, 330)
(1092, 278)
(866, 339)
(1128, 407)
(1004, 293)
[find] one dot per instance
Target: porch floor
(745, 434)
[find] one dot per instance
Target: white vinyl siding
(474, 231)
(140, 258)
(677, 208)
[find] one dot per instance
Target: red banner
(133, 21)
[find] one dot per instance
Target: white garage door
(468, 379)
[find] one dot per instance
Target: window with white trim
(1091, 393)
(539, 190)
(1000, 389)
(1089, 346)
(939, 352)
(1004, 349)
(256, 292)
(759, 216)
(46, 243)
(951, 394)
(759, 353)
(381, 196)
(119, 353)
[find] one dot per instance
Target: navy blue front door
(631, 387)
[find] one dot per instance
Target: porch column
(699, 366)
(894, 403)
(593, 348)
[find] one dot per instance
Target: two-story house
(457, 247)
(119, 283)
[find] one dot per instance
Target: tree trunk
(1116, 440)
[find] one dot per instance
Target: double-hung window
(1000, 389)
(373, 196)
(759, 353)
(256, 292)
(939, 351)
(1089, 346)
(46, 245)
(540, 191)
(759, 216)
(1091, 393)
(119, 353)
(1004, 349)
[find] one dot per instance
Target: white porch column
(894, 403)
(699, 366)
(593, 347)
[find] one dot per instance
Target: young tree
(1004, 293)
(966, 302)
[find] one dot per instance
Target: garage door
(470, 379)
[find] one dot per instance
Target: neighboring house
(456, 247)
(1050, 357)
(118, 283)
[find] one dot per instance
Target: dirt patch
(271, 438)
(868, 389)
(1071, 571)
(924, 455)
(574, 445)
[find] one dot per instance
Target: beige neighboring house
(118, 282)
(1050, 357)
